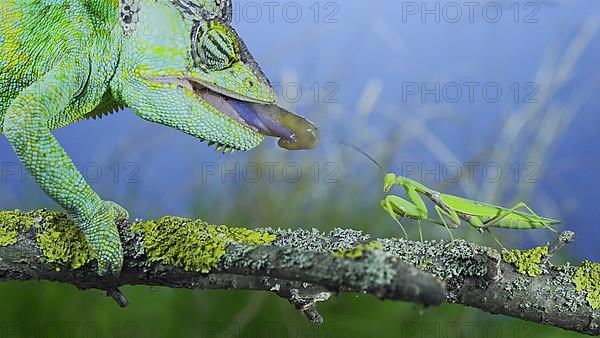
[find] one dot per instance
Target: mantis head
(389, 181)
(182, 61)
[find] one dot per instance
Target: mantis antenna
(353, 147)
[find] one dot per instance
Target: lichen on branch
(587, 279)
(193, 245)
(307, 266)
(526, 262)
(11, 224)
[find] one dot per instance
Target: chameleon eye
(215, 46)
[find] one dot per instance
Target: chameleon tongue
(294, 132)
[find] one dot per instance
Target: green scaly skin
(65, 60)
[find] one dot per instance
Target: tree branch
(304, 267)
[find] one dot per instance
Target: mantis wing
(486, 212)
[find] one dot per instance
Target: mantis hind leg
(452, 215)
(496, 239)
(521, 205)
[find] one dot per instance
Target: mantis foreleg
(397, 207)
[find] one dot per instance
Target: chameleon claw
(117, 210)
(103, 236)
(118, 297)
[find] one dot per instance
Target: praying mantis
(481, 216)
(453, 210)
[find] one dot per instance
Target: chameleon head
(183, 64)
(389, 181)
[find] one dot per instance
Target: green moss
(526, 262)
(62, 241)
(587, 278)
(193, 245)
(11, 224)
(358, 251)
(425, 264)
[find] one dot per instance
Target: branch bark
(307, 267)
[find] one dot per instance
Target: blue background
(365, 56)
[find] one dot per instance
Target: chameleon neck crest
(128, 15)
(206, 9)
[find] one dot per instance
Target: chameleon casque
(178, 63)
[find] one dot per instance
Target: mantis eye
(214, 46)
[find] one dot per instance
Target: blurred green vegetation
(42, 309)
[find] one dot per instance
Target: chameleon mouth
(294, 132)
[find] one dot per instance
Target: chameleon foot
(119, 211)
(103, 236)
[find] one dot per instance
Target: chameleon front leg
(26, 128)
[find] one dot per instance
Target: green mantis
(453, 210)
